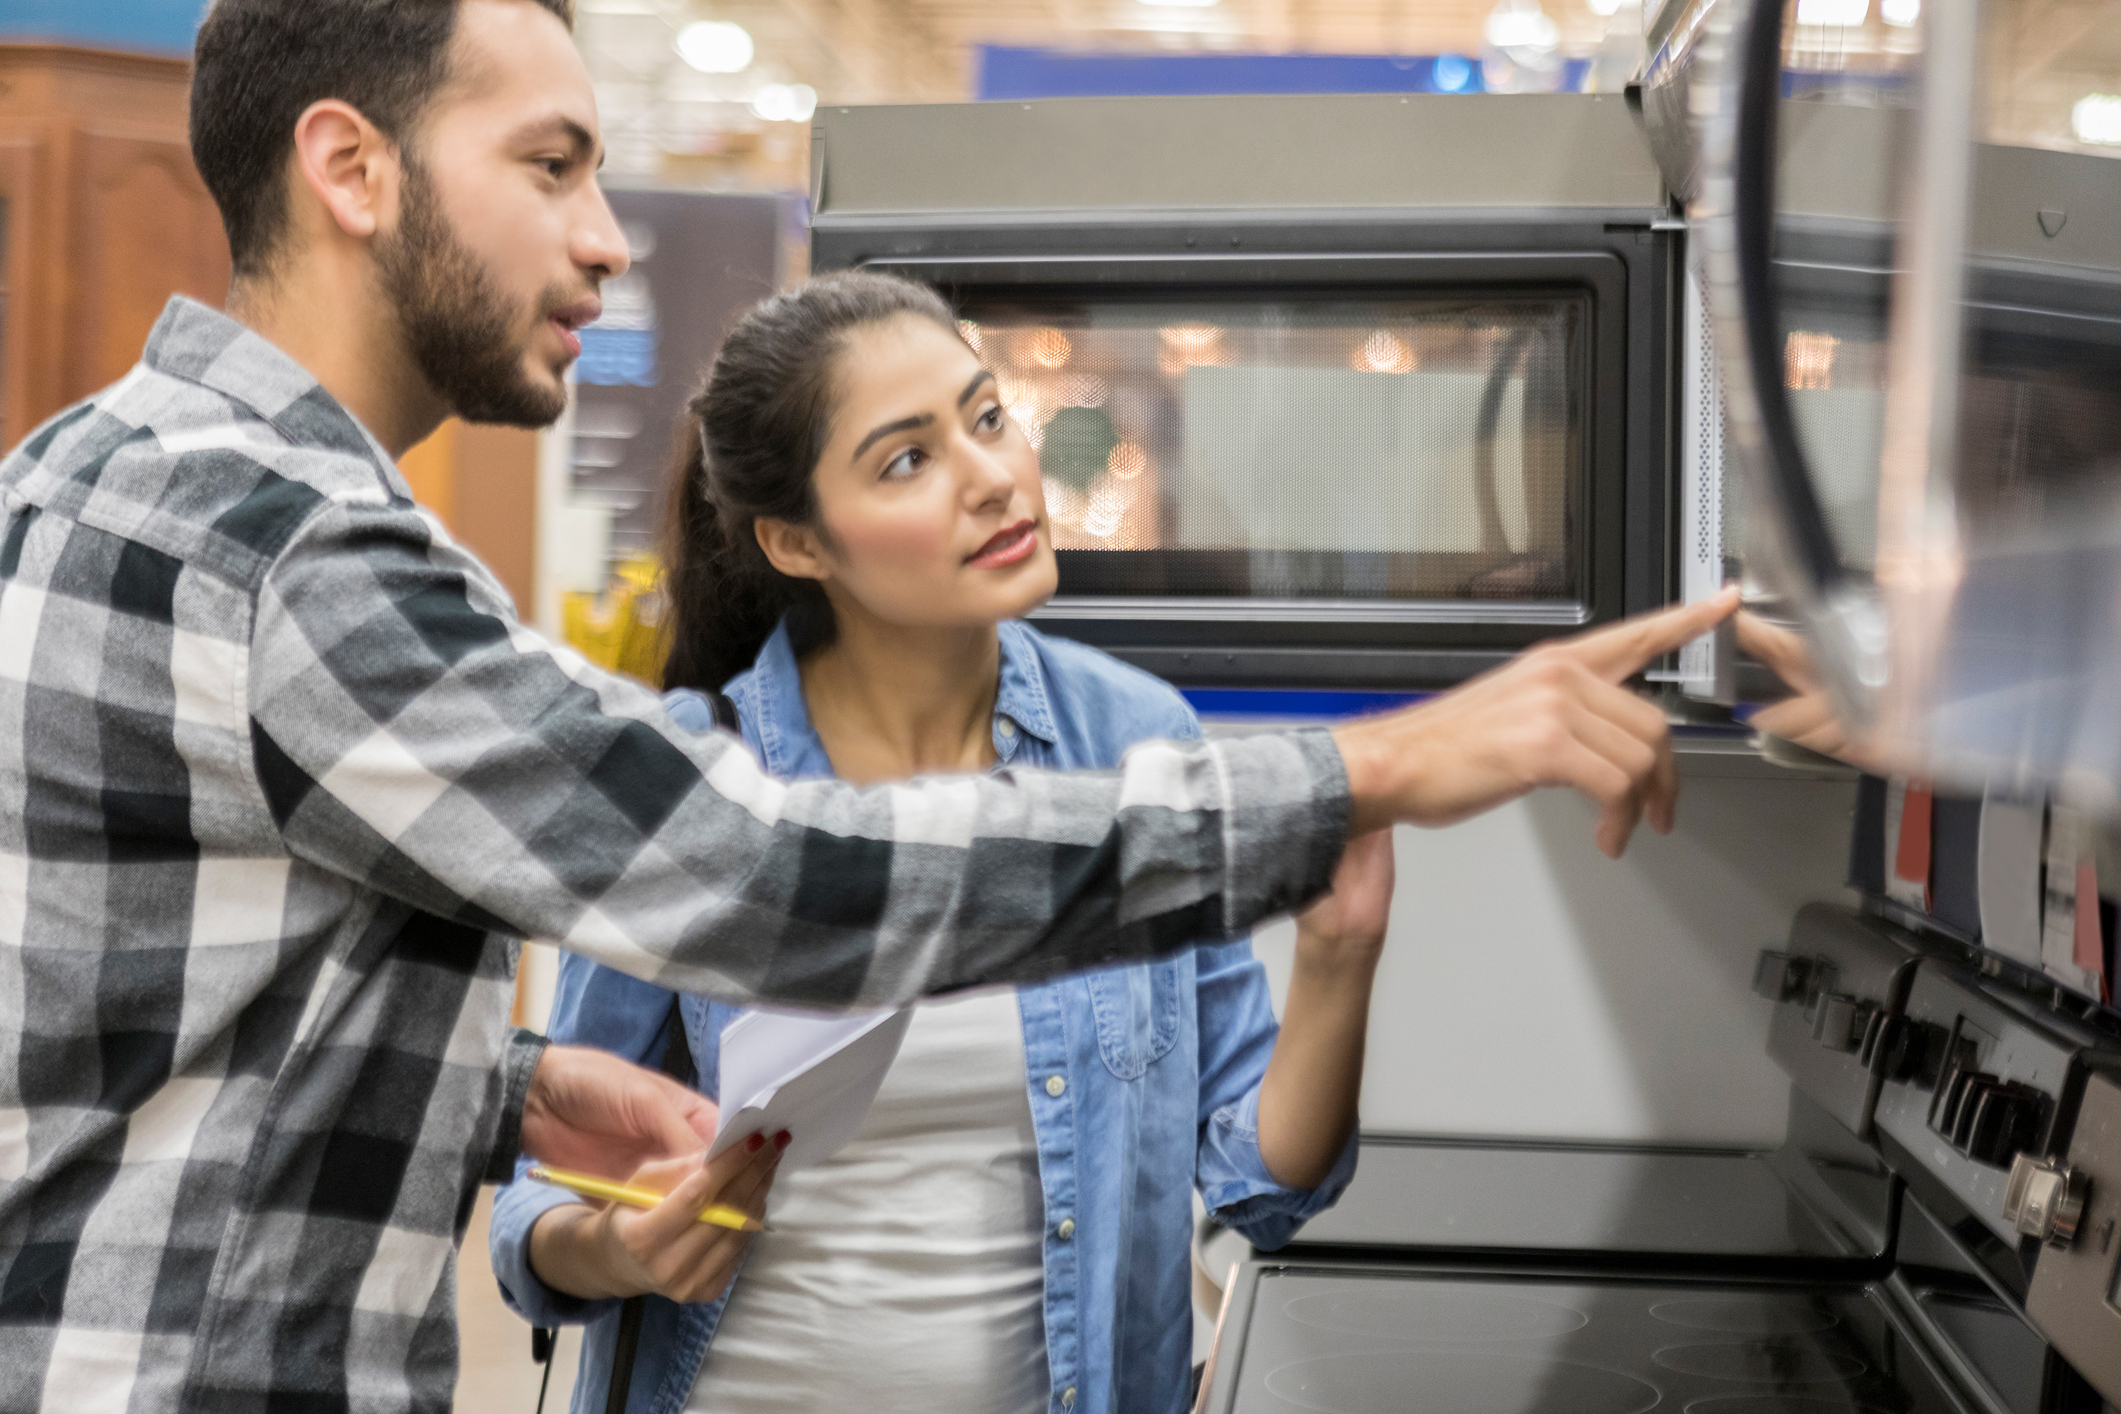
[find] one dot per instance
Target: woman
(856, 535)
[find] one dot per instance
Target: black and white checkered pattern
(281, 777)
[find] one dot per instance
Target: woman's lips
(1010, 546)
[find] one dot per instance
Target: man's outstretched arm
(410, 734)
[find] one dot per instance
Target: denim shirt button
(1068, 1397)
(1056, 1085)
(1005, 727)
(1064, 1229)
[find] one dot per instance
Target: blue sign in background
(1014, 72)
(152, 26)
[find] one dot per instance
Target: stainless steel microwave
(1340, 392)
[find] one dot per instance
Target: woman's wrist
(565, 1254)
(1337, 962)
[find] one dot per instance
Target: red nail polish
(755, 1143)
(780, 1140)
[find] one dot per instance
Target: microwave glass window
(1366, 450)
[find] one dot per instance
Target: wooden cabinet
(102, 219)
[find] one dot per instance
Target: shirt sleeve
(410, 734)
(1237, 1033)
(591, 1006)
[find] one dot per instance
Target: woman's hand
(614, 1250)
(1347, 925)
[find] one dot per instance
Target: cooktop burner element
(1777, 1404)
(1458, 1382)
(1774, 1361)
(1433, 1314)
(1747, 1315)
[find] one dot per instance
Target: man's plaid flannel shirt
(282, 779)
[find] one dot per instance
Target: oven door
(1383, 471)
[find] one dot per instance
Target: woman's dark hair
(749, 444)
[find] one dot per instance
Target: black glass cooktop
(1422, 1343)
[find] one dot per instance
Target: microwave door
(1924, 362)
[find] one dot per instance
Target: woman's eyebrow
(983, 376)
(904, 424)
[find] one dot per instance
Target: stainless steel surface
(1137, 607)
(1921, 348)
(1139, 155)
(2076, 1291)
(1570, 1199)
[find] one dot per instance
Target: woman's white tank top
(906, 1272)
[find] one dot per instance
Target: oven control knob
(1838, 1023)
(2006, 1121)
(1961, 1092)
(1908, 1048)
(1779, 976)
(2045, 1200)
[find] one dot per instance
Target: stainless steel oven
(1347, 392)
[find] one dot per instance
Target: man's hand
(1555, 716)
(1807, 716)
(591, 1111)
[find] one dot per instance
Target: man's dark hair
(260, 63)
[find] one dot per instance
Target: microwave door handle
(1808, 542)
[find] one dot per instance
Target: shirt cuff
(516, 1210)
(1239, 1192)
(1286, 824)
(519, 1062)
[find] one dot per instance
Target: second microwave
(1340, 392)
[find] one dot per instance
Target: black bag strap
(677, 1064)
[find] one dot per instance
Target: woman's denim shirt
(1143, 1080)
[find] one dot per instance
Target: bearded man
(282, 778)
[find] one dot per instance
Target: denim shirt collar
(790, 747)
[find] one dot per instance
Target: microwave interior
(1373, 484)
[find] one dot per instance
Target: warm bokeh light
(1808, 361)
(1127, 461)
(1383, 352)
(1048, 348)
(970, 333)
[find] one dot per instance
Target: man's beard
(461, 330)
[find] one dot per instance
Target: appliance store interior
(1364, 346)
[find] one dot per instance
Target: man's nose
(600, 244)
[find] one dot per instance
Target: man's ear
(345, 164)
(792, 549)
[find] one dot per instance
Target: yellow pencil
(719, 1214)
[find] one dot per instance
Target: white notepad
(814, 1076)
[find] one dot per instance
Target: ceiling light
(1845, 13)
(715, 47)
(1604, 8)
(1520, 24)
(1900, 14)
(1180, 4)
(2097, 119)
(785, 102)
